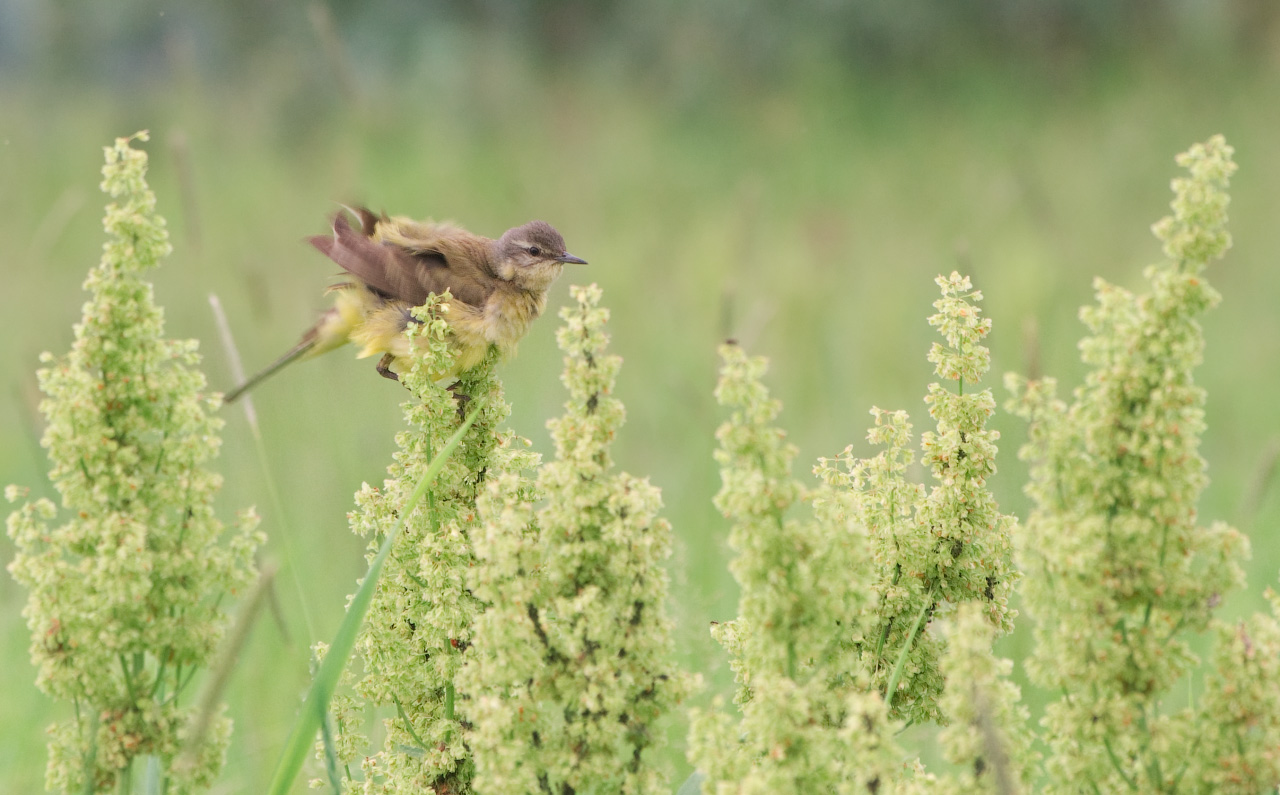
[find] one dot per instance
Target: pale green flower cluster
(517, 647)
(1235, 747)
(949, 546)
(988, 740)
(832, 646)
(572, 664)
(1123, 572)
(808, 722)
(795, 576)
(420, 624)
(127, 593)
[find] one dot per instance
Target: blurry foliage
(757, 39)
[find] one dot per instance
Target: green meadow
(804, 216)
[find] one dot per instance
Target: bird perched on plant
(392, 264)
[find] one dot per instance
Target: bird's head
(532, 256)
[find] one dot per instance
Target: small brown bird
(391, 265)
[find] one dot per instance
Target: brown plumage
(391, 265)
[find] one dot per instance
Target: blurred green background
(792, 175)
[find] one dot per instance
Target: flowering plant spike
(419, 627)
(1123, 569)
(572, 664)
(126, 592)
(947, 546)
(809, 719)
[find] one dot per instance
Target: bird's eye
(534, 250)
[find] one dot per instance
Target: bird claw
(384, 367)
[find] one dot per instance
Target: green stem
(1115, 762)
(1153, 767)
(791, 641)
(330, 754)
(181, 684)
(408, 724)
(163, 438)
(90, 756)
(1191, 753)
(1164, 544)
(128, 680)
(791, 638)
(157, 691)
(432, 515)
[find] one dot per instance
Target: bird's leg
(384, 367)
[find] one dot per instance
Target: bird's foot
(384, 367)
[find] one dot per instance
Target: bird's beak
(569, 259)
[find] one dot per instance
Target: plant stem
(128, 680)
(1153, 765)
(91, 756)
(290, 539)
(408, 724)
(1115, 762)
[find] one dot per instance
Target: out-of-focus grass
(807, 222)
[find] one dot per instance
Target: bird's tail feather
(308, 342)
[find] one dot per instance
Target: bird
(391, 264)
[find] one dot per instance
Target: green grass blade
(891, 689)
(693, 784)
(152, 779)
(316, 704)
(260, 447)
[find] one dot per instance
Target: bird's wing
(404, 269)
